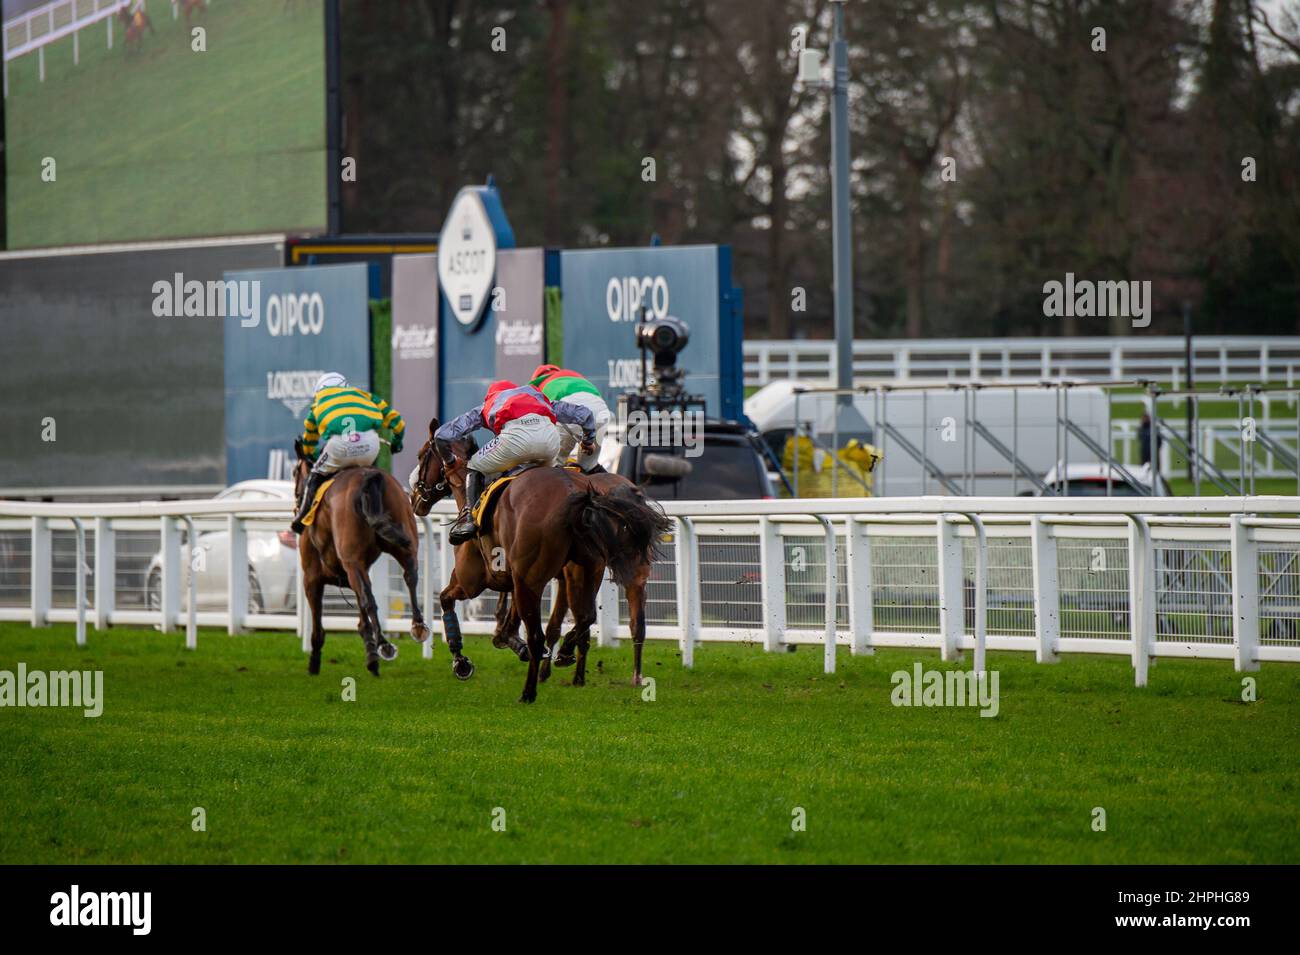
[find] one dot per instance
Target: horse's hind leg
(314, 586)
(636, 618)
(582, 593)
(368, 625)
(529, 607)
(553, 627)
(411, 574)
(506, 635)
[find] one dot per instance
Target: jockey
(523, 420)
(343, 423)
(560, 384)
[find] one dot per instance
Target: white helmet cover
(331, 379)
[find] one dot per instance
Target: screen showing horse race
(131, 120)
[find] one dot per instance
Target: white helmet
(331, 379)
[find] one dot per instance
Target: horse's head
(428, 482)
(300, 468)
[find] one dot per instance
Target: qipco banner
(415, 351)
(604, 292)
(291, 326)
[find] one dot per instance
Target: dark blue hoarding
(299, 323)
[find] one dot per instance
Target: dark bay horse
(543, 520)
(363, 513)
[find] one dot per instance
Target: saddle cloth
(320, 493)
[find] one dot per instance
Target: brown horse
(189, 6)
(363, 513)
(134, 24)
(544, 520)
(578, 593)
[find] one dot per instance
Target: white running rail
(1218, 359)
(1216, 578)
(37, 28)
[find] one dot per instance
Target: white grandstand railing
(35, 29)
(1216, 578)
(1218, 359)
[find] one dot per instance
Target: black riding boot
(314, 480)
(464, 530)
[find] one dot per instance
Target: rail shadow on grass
(710, 771)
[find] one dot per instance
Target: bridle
(422, 491)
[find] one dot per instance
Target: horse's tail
(621, 528)
(371, 505)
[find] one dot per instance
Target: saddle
(483, 509)
(320, 495)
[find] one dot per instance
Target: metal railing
(1218, 359)
(1216, 578)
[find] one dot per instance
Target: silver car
(272, 560)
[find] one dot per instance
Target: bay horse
(134, 24)
(545, 519)
(364, 513)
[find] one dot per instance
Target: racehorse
(189, 6)
(579, 594)
(363, 513)
(545, 519)
(134, 24)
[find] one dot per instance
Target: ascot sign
(476, 227)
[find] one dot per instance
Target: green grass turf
(166, 142)
(708, 772)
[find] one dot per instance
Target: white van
(906, 424)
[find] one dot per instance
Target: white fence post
(42, 571)
(981, 591)
(1047, 590)
(1141, 596)
(105, 572)
(1245, 596)
(832, 594)
(80, 592)
(236, 574)
(607, 613)
(857, 556)
(688, 589)
(771, 558)
(952, 604)
(169, 587)
(304, 612)
(380, 590)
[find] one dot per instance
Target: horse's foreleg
(314, 586)
(368, 625)
(529, 607)
(460, 664)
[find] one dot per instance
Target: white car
(272, 559)
(1089, 480)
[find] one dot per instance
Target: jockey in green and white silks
(342, 431)
(561, 384)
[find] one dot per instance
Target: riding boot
(314, 479)
(464, 530)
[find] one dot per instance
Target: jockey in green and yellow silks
(342, 431)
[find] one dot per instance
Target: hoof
(521, 652)
(372, 664)
(388, 652)
(528, 699)
(579, 681)
(313, 666)
(419, 633)
(565, 659)
(462, 668)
